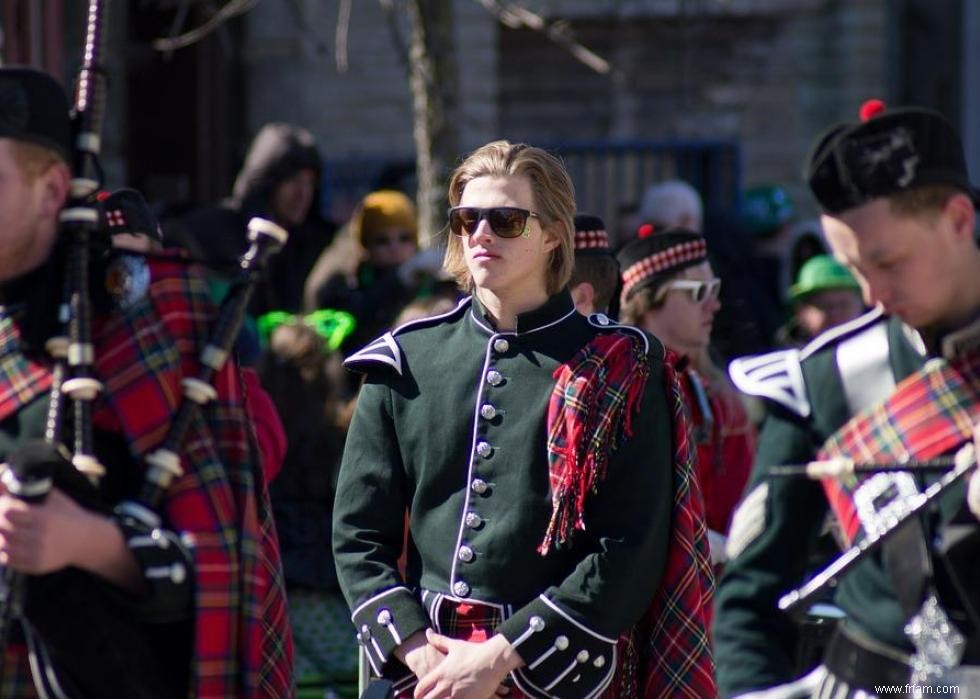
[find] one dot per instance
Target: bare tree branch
(516, 17)
(232, 8)
(340, 36)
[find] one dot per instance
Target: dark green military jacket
(451, 426)
(811, 393)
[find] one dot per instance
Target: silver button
(500, 345)
(488, 412)
(602, 319)
(600, 661)
(494, 377)
(484, 449)
(479, 486)
(384, 617)
(536, 623)
(561, 643)
(461, 589)
(473, 520)
(583, 656)
(366, 633)
(465, 554)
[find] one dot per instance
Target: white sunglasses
(700, 291)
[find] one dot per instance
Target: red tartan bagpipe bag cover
(242, 640)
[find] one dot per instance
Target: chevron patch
(748, 522)
(776, 376)
(384, 350)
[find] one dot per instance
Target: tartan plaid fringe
(589, 415)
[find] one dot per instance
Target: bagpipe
(81, 633)
(890, 475)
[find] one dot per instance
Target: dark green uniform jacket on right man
(810, 394)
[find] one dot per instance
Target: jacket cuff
(562, 656)
(168, 571)
(384, 621)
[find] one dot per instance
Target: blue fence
(609, 176)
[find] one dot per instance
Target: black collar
(556, 308)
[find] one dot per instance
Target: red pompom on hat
(645, 231)
(871, 108)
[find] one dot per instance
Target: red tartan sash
(668, 653)
(589, 415)
(930, 413)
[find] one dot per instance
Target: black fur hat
(34, 107)
(887, 151)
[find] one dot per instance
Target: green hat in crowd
(765, 209)
(820, 273)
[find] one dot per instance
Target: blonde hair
(552, 192)
(926, 201)
(34, 159)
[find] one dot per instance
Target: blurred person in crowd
(564, 522)
(670, 290)
(293, 368)
(378, 270)
(595, 278)
(280, 180)
(672, 204)
(825, 295)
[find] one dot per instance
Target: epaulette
(385, 350)
(776, 376)
(841, 332)
(604, 322)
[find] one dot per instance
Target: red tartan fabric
(590, 411)
(21, 379)
(243, 645)
(674, 646)
(589, 414)
(930, 413)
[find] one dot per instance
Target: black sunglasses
(505, 221)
